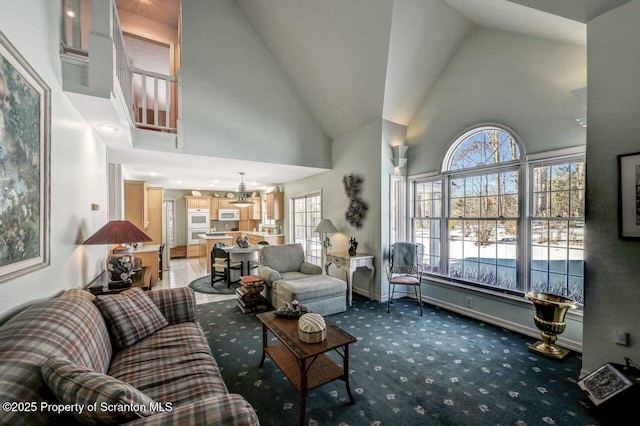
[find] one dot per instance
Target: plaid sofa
(173, 366)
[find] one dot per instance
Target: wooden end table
(305, 364)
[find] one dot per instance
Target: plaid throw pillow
(96, 398)
(131, 316)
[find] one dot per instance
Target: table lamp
(120, 263)
(325, 227)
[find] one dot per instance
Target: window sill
(497, 295)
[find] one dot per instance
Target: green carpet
(439, 369)
(203, 285)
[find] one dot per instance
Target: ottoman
(322, 294)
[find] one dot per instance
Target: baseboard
(532, 332)
(509, 325)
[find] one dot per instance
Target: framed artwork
(629, 196)
(25, 117)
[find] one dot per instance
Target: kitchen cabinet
(256, 209)
(197, 202)
(252, 212)
(155, 197)
(275, 205)
(136, 208)
(214, 205)
(223, 203)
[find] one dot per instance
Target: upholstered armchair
(284, 262)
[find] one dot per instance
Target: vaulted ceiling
(355, 61)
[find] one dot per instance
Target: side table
(343, 260)
(102, 285)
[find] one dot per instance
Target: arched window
(476, 227)
(482, 146)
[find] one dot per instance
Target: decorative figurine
(243, 241)
(353, 246)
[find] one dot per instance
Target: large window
(306, 213)
(481, 226)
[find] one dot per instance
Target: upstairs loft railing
(150, 98)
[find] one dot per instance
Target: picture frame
(629, 196)
(25, 138)
(604, 384)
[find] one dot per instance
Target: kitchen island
(207, 242)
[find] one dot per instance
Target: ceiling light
(71, 13)
(242, 200)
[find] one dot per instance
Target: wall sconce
(400, 155)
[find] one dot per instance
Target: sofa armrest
(310, 268)
(229, 409)
(268, 274)
(176, 304)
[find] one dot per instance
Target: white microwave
(228, 214)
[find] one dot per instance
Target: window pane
(426, 224)
(541, 205)
(306, 216)
(472, 207)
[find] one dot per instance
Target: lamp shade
(118, 232)
(326, 227)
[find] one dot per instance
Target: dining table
(247, 255)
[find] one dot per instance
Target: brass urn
(550, 312)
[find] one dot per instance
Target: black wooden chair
(221, 266)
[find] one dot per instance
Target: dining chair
(221, 266)
(405, 268)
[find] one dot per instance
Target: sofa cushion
(113, 401)
(174, 365)
(131, 316)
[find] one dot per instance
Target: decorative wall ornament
(357, 206)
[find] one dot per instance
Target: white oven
(192, 235)
(198, 219)
(228, 214)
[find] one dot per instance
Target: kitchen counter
(215, 237)
(149, 256)
(262, 234)
(146, 248)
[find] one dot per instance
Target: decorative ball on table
(312, 328)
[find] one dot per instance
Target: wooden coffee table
(305, 364)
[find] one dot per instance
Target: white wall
(78, 164)
(612, 286)
(237, 101)
(359, 153)
(520, 81)
(516, 80)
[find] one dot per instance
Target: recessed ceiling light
(71, 13)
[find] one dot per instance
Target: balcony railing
(150, 98)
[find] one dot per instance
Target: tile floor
(181, 272)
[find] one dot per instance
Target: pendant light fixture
(242, 200)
